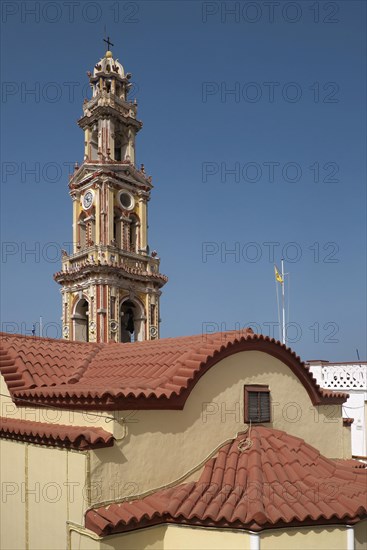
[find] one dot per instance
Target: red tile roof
(55, 435)
(352, 462)
(276, 480)
(152, 374)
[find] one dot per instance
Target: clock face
(88, 200)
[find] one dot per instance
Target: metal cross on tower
(108, 42)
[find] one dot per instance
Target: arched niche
(134, 237)
(80, 320)
(82, 230)
(132, 321)
(117, 228)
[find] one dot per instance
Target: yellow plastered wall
(347, 441)
(42, 488)
(55, 416)
(13, 506)
(189, 538)
(360, 535)
(144, 539)
(78, 488)
(166, 537)
(179, 537)
(78, 541)
(46, 502)
(4, 392)
(320, 538)
(161, 446)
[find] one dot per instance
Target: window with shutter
(257, 404)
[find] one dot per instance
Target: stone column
(143, 223)
(76, 209)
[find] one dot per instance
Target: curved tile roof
(352, 462)
(31, 362)
(151, 374)
(55, 435)
(261, 480)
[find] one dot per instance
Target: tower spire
(110, 284)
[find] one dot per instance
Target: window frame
(255, 388)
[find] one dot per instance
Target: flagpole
(278, 308)
(283, 304)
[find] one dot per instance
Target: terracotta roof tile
(56, 435)
(274, 498)
(352, 462)
(150, 374)
(273, 493)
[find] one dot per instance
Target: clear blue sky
(293, 130)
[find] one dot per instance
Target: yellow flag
(278, 276)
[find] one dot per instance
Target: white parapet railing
(344, 377)
(351, 378)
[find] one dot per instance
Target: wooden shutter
(257, 404)
(253, 406)
(264, 402)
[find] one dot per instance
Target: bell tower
(110, 284)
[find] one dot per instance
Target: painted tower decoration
(110, 283)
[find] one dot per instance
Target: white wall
(350, 378)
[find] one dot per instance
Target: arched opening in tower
(117, 150)
(82, 231)
(134, 234)
(80, 321)
(117, 229)
(94, 143)
(121, 142)
(131, 322)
